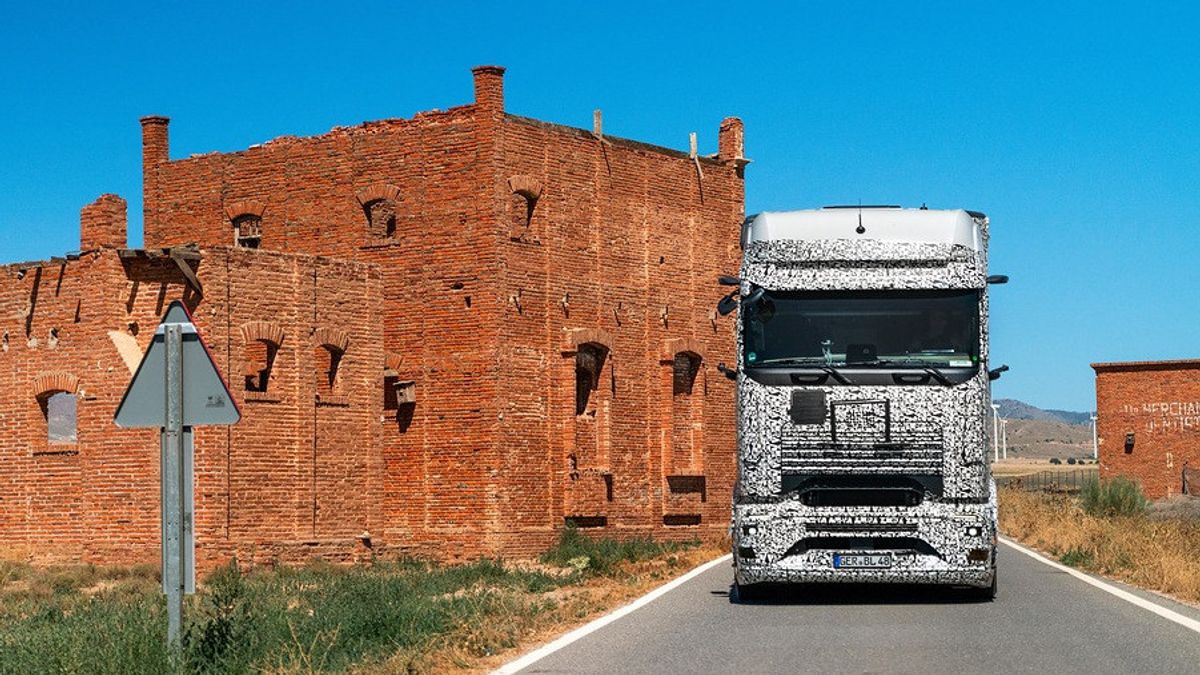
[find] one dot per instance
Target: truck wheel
(985, 594)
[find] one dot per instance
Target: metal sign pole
(172, 487)
(160, 397)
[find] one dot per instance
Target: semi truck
(863, 398)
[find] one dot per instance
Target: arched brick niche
(525, 192)
(683, 393)
(683, 409)
(588, 374)
(245, 215)
(329, 353)
(56, 427)
(262, 340)
(380, 203)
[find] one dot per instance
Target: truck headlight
(974, 531)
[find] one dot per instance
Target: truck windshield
(901, 329)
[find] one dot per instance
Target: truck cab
(863, 397)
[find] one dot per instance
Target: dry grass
(1160, 554)
(1178, 507)
(21, 581)
(537, 618)
(1026, 467)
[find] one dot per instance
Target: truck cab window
(900, 329)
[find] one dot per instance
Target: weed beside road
(404, 616)
(1109, 532)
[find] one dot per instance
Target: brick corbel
(332, 337)
(54, 381)
(244, 207)
(262, 330)
(391, 363)
(377, 191)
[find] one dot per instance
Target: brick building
(1148, 424)
(449, 335)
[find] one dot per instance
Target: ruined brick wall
(1159, 404)
(102, 223)
(501, 243)
(294, 475)
(617, 245)
(407, 195)
(96, 497)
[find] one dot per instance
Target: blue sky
(1072, 126)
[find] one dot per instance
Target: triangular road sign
(206, 398)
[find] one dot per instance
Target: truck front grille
(904, 448)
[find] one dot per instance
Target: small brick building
(449, 335)
(1148, 424)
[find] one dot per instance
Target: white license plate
(869, 560)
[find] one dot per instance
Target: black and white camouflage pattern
(955, 418)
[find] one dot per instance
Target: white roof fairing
(888, 224)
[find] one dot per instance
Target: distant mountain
(1019, 410)
(1034, 433)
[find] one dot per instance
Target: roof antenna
(860, 229)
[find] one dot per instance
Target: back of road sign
(206, 399)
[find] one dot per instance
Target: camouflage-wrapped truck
(863, 399)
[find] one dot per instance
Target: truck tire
(987, 594)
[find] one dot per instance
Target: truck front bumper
(934, 543)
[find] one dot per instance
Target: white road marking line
(1169, 615)
(548, 649)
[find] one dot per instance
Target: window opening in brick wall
(686, 366)
(381, 218)
(589, 363)
(329, 360)
(247, 231)
(60, 410)
(521, 214)
(260, 360)
(686, 428)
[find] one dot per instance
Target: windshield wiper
(931, 371)
(792, 360)
(939, 376)
(807, 361)
(835, 374)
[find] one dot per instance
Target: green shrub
(1076, 558)
(1070, 460)
(1119, 496)
(1055, 460)
(223, 624)
(601, 555)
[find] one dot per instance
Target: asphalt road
(1044, 620)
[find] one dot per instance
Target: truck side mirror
(731, 373)
(998, 279)
(727, 304)
(994, 374)
(726, 280)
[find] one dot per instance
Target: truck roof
(879, 223)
